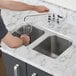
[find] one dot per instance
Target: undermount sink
(53, 46)
(35, 33)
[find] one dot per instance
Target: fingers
(46, 9)
(42, 9)
(26, 39)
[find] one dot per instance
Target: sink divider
(38, 41)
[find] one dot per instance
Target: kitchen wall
(67, 24)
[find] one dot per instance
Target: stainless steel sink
(35, 34)
(53, 46)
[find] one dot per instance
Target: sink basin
(53, 46)
(36, 33)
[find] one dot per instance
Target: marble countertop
(69, 4)
(64, 65)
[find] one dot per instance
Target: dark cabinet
(14, 66)
(32, 71)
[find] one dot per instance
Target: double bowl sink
(45, 41)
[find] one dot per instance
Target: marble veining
(65, 64)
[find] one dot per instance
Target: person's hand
(26, 39)
(42, 9)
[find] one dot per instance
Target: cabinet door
(14, 66)
(32, 71)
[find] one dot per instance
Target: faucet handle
(58, 18)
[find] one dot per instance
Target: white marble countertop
(70, 4)
(64, 65)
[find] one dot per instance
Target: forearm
(16, 6)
